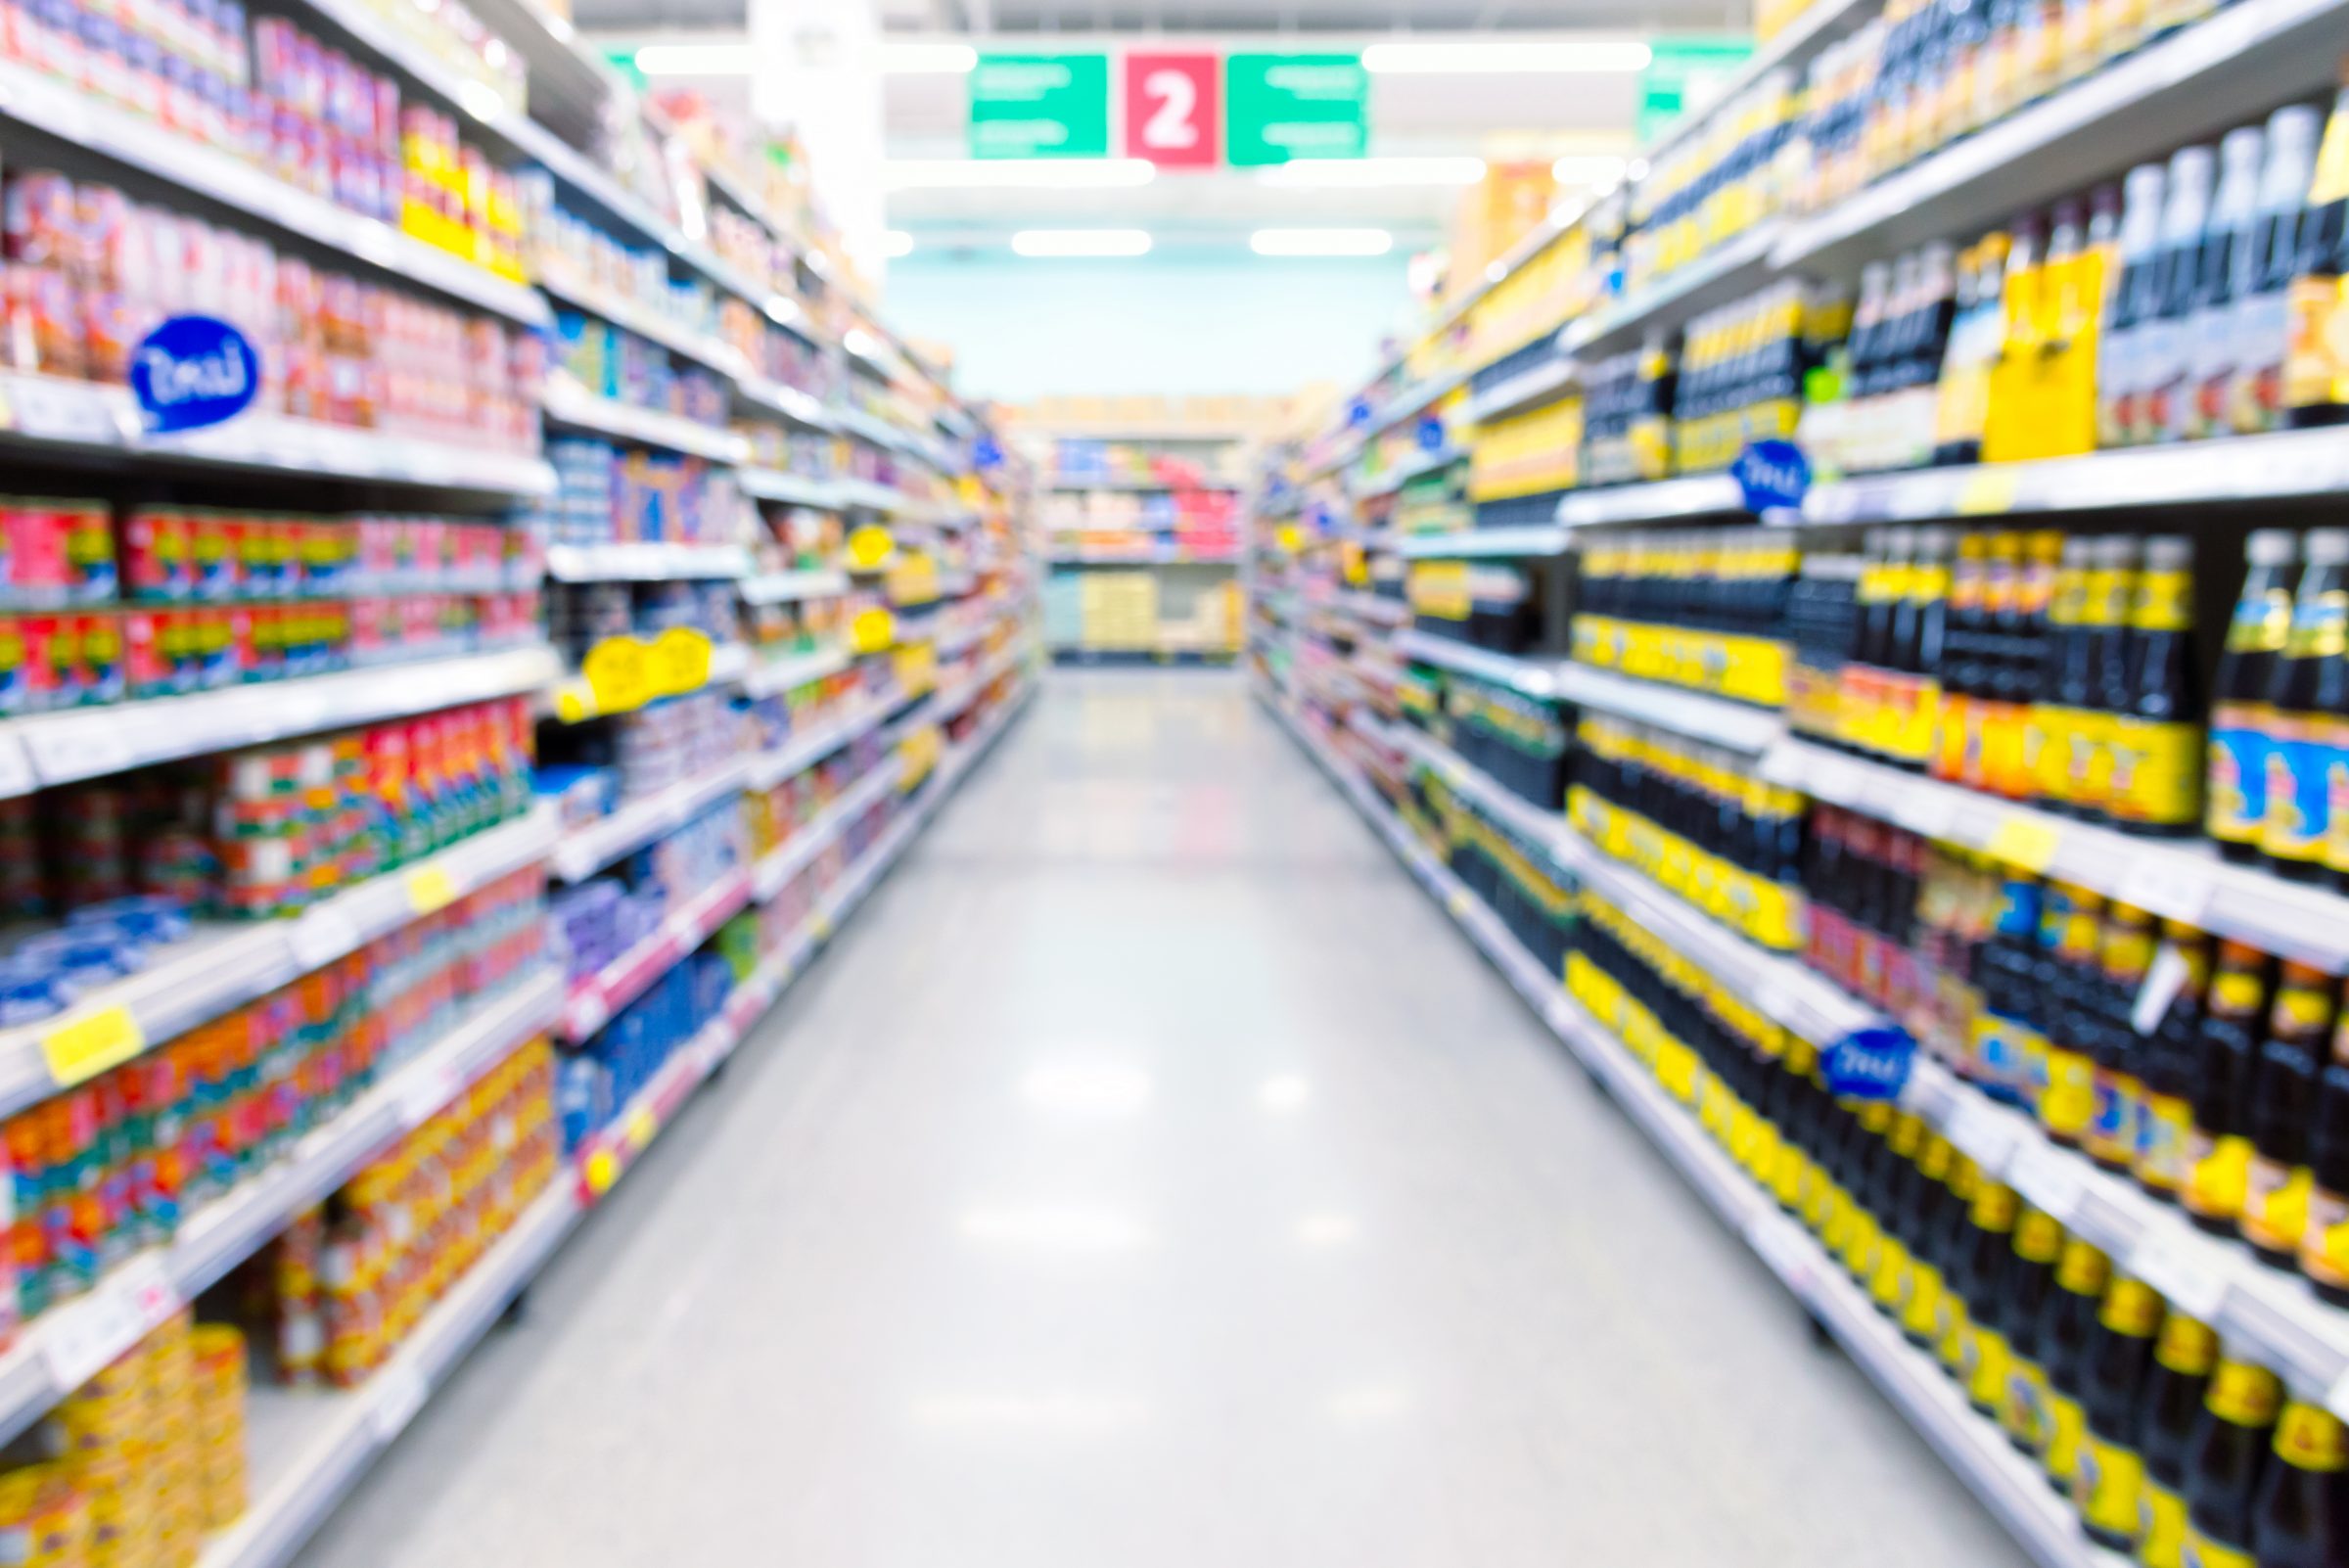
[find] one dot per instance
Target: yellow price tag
(80, 1049)
(570, 705)
(870, 547)
(430, 889)
(1291, 537)
(620, 678)
(1986, 493)
(601, 1172)
(872, 630)
(917, 669)
(641, 1128)
(2023, 841)
(679, 662)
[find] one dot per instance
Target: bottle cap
(2326, 547)
(2271, 547)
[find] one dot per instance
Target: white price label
(2157, 880)
(2180, 1266)
(77, 749)
(321, 936)
(1983, 1135)
(2050, 1179)
(82, 1340)
(1925, 811)
(1782, 766)
(2164, 980)
(400, 1392)
(426, 1089)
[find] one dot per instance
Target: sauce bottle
(2263, 318)
(2067, 1325)
(2109, 1477)
(1935, 1215)
(2172, 1053)
(2126, 957)
(2241, 721)
(1964, 676)
(2298, 815)
(2325, 1242)
(2301, 1517)
(2157, 743)
(1982, 1358)
(2029, 1285)
(2165, 346)
(2060, 712)
(1922, 633)
(2183, 1360)
(2222, 1472)
(2120, 384)
(2068, 1100)
(2219, 1168)
(2283, 1095)
(2312, 370)
(2111, 591)
(2226, 273)
(1953, 1324)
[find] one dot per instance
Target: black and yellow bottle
(2069, 1102)
(1936, 1221)
(2183, 1360)
(2157, 751)
(2109, 1477)
(2301, 1518)
(2219, 1155)
(1982, 1363)
(1953, 1322)
(2284, 1102)
(2222, 1474)
(2030, 1284)
(2067, 1324)
(1890, 1272)
(2166, 1115)
(2059, 707)
(2118, 1053)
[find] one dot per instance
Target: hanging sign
(1775, 477)
(1281, 106)
(1172, 109)
(194, 371)
(1870, 1064)
(1039, 106)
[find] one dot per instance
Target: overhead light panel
(1322, 242)
(913, 57)
(1507, 57)
(696, 58)
(1370, 173)
(1081, 241)
(895, 243)
(1015, 174)
(1587, 169)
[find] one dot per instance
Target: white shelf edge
(645, 562)
(566, 403)
(764, 677)
(1531, 539)
(678, 336)
(1714, 719)
(1726, 271)
(1533, 677)
(582, 852)
(784, 587)
(1658, 501)
(794, 489)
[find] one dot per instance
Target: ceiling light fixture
(1014, 173)
(1507, 57)
(1587, 169)
(1081, 241)
(895, 243)
(1322, 242)
(909, 57)
(696, 58)
(1366, 174)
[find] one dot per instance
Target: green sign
(1279, 107)
(1039, 106)
(1682, 73)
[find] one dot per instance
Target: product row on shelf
(1848, 624)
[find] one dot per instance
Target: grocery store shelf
(800, 408)
(594, 999)
(1133, 658)
(645, 322)
(331, 1439)
(870, 496)
(784, 587)
(793, 490)
(1662, 501)
(42, 750)
(224, 965)
(644, 561)
(763, 677)
(1716, 721)
(954, 640)
(1374, 608)
(1066, 484)
(1403, 473)
(1544, 382)
(2014, 1490)
(1164, 555)
(38, 102)
(771, 768)
(568, 403)
(2228, 70)
(952, 700)
(1531, 675)
(775, 869)
(584, 850)
(81, 418)
(61, 1347)
(1821, 24)
(2181, 880)
(1725, 273)
(2244, 468)
(1530, 540)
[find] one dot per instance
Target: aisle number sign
(1682, 74)
(1176, 108)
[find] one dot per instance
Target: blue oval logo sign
(1870, 1064)
(1774, 475)
(194, 371)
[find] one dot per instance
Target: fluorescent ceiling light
(914, 58)
(895, 243)
(1014, 173)
(696, 58)
(1587, 169)
(1081, 241)
(1359, 173)
(1322, 242)
(1507, 57)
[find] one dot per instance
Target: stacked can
(220, 1380)
(131, 1439)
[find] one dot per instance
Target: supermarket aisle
(1153, 1178)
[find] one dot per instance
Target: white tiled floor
(1150, 1177)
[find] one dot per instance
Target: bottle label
(2295, 825)
(2220, 1176)
(2245, 1393)
(2213, 333)
(2238, 772)
(2066, 1427)
(2325, 1245)
(2070, 1100)
(2156, 772)
(2255, 393)
(1953, 1332)
(1888, 1285)
(2026, 1412)
(2161, 1527)
(1920, 1312)
(2309, 304)
(2276, 1205)
(2200, 1552)
(2113, 1130)
(2048, 745)
(2162, 374)
(2311, 1438)
(2089, 775)
(2164, 1124)
(1984, 1369)
(2106, 1485)
(2334, 747)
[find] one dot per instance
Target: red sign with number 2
(1173, 116)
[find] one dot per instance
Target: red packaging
(98, 634)
(35, 552)
(51, 660)
(374, 630)
(420, 624)
(15, 669)
(145, 653)
(156, 562)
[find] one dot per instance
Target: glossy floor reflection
(1152, 1176)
